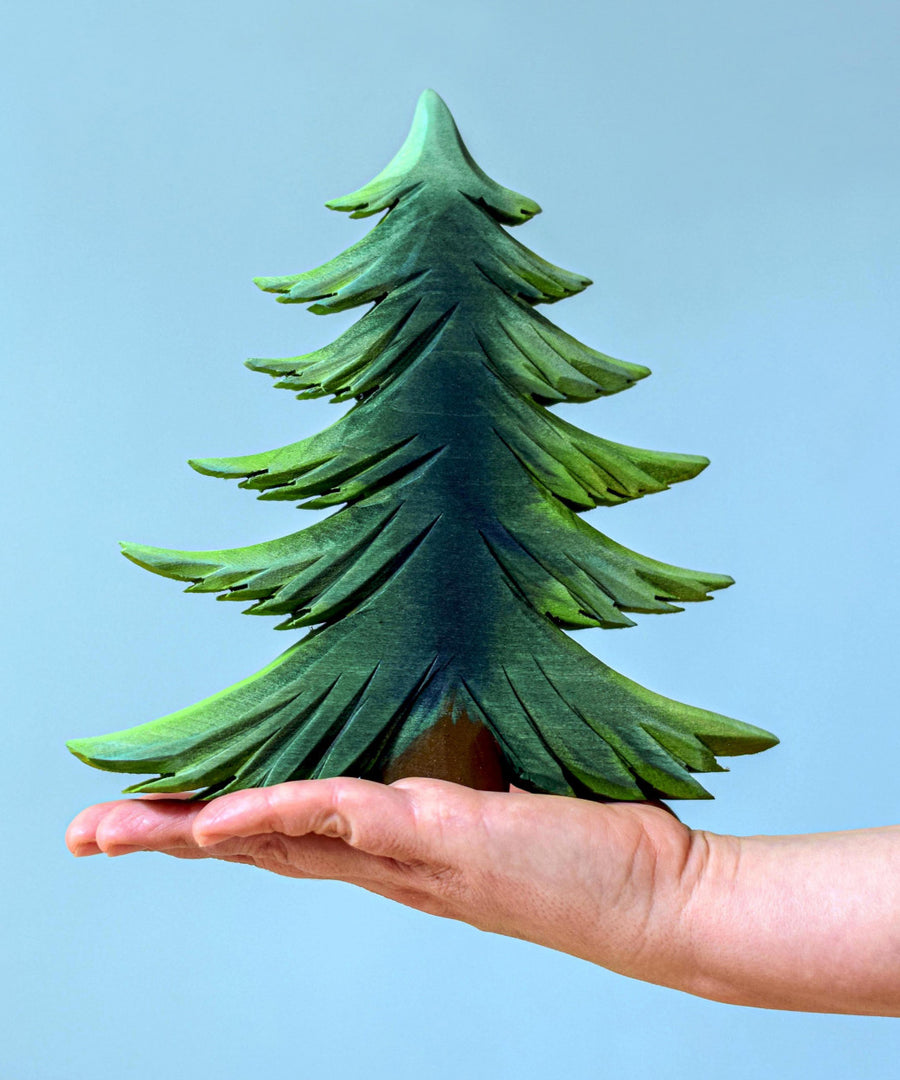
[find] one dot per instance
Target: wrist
(678, 878)
(708, 921)
(661, 929)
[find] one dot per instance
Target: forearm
(810, 923)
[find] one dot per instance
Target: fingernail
(81, 851)
(121, 849)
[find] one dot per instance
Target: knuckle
(278, 801)
(271, 847)
(337, 820)
(334, 824)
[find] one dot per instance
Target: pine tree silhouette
(439, 593)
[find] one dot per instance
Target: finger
(175, 853)
(312, 856)
(327, 858)
(81, 833)
(373, 818)
(143, 825)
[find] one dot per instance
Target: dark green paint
(458, 555)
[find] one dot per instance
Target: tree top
(435, 154)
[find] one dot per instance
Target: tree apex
(434, 153)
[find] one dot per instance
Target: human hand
(787, 922)
(600, 881)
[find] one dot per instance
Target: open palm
(586, 878)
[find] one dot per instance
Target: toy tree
(438, 595)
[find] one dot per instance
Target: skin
(808, 923)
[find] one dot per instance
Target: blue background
(726, 173)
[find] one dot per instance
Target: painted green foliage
(458, 557)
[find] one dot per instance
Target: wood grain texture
(438, 595)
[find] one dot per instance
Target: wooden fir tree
(438, 595)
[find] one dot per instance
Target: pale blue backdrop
(727, 175)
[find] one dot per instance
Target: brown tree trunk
(455, 748)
